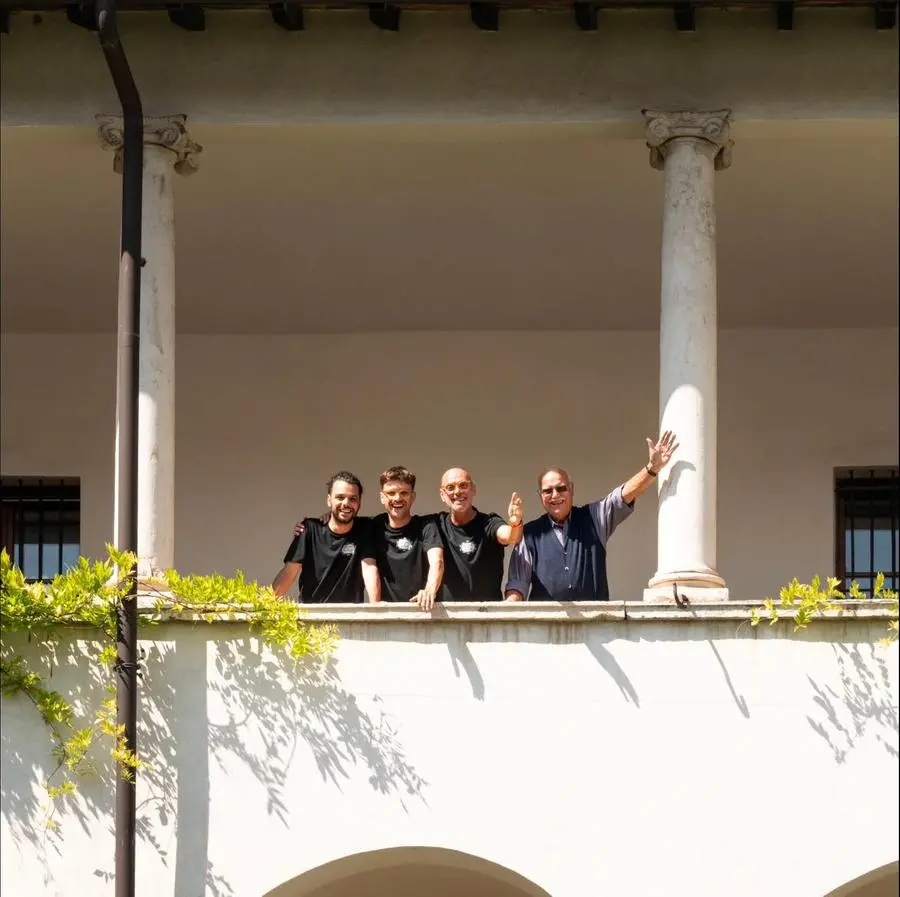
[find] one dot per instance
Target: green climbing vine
(810, 600)
(88, 596)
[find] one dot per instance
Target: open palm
(661, 451)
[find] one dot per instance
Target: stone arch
(881, 882)
(409, 872)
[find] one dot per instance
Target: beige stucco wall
(262, 422)
(640, 757)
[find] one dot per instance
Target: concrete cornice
(537, 612)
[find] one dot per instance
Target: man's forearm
(371, 581)
(435, 572)
(509, 535)
(285, 579)
(638, 485)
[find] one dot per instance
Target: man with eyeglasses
(473, 541)
(562, 555)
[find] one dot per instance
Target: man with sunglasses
(562, 554)
(473, 541)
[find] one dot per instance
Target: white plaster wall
(639, 758)
(439, 67)
(262, 421)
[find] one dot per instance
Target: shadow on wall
(27, 811)
(409, 872)
(260, 694)
(220, 698)
(862, 705)
(289, 706)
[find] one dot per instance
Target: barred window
(40, 524)
(867, 514)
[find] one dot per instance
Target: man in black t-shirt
(473, 541)
(332, 558)
(407, 548)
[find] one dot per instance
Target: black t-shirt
(473, 558)
(401, 555)
(332, 563)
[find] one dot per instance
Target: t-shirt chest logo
(468, 547)
(348, 550)
(403, 544)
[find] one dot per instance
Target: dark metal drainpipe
(129, 322)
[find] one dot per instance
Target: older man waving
(562, 554)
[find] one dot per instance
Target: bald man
(473, 541)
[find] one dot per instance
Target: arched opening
(881, 882)
(409, 872)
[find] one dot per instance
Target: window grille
(867, 514)
(40, 524)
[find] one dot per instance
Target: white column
(167, 149)
(688, 147)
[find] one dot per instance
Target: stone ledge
(535, 612)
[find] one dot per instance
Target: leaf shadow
(861, 705)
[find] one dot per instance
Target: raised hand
(515, 510)
(661, 452)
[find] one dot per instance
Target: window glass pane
(882, 552)
(71, 550)
(30, 561)
(861, 558)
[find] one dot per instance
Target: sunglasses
(562, 490)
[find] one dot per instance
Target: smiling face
(556, 491)
(457, 490)
(397, 498)
(343, 502)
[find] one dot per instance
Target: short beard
(337, 520)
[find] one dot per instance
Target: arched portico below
(409, 872)
(881, 882)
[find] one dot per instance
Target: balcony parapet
(528, 612)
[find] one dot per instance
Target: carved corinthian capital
(167, 131)
(713, 127)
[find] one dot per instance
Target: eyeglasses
(562, 489)
(456, 487)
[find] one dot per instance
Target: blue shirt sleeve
(609, 512)
(520, 567)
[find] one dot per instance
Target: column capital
(713, 127)
(166, 131)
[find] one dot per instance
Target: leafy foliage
(216, 597)
(89, 595)
(810, 600)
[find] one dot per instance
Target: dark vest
(574, 572)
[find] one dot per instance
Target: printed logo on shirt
(468, 547)
(349, 549)
(403, 544)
